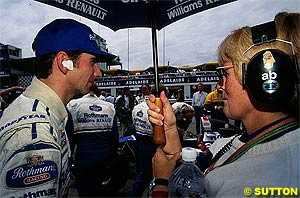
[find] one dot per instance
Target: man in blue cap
(33, 142)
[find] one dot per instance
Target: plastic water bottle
(188, 180)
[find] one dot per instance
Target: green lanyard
(277, 129)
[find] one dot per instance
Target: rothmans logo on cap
(268, 60)
(92, 37)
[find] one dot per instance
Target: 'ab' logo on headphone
(270, 85)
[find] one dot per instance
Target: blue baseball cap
(67, 35)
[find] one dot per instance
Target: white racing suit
(91, 114)
(96, 138)
(145, 148)
(34, 146)
(140, 120)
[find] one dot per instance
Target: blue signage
(138, 81)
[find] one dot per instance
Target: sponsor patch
(41, 193)
(139, 114)
(35, 160)
(23, 118)
(35, 172)
(95, 108)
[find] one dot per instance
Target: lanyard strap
(277, 129)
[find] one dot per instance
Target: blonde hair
(288, 28)
(236, 43)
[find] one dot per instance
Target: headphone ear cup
(178, 115)
(269, 77)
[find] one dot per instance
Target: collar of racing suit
(48, 97)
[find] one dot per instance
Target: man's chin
(85, 91)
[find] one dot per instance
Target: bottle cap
(189, 154)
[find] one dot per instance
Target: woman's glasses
(222, 71)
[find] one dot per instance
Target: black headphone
(181, 121)
(271, 75)
(179, 113)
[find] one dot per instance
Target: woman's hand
(163, 166)
(167, 120)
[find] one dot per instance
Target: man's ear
(63, 62)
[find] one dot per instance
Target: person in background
(11, 90)
(8, 95)
(214, 103)
(144, 93)
(124, 107)
(119, 95)
(179, 95)
(145, 146)
(110, 98)
(272, 132)
(96, 138)
(102, 95)
(35, 151)
(198, 105)
(184, 114)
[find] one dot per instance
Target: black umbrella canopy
(118, 14)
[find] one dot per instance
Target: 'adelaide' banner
(138, 81)
(149, 80)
